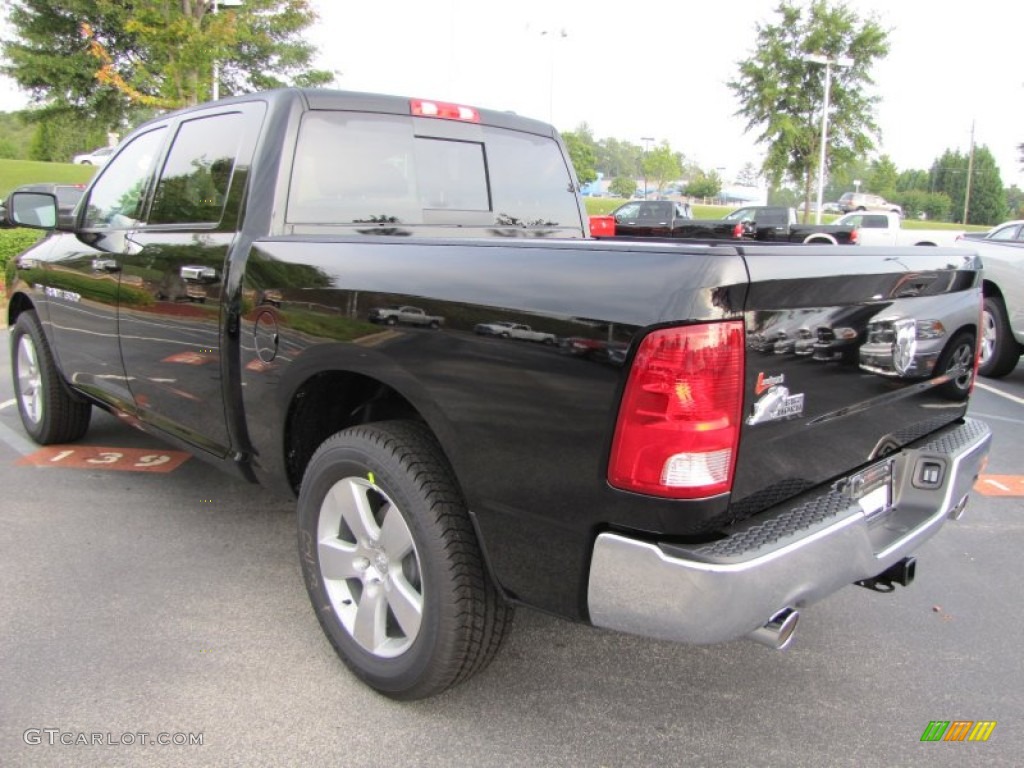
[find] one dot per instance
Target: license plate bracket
(871, 488)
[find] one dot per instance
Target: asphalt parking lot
(149, 600)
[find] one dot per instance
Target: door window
(194, 183)
(117, 197)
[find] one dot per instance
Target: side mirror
(36, 210)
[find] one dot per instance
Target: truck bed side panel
(525, 424)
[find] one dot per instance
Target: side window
(193, 185)
(115, 201)
(628, 212)
(354, 168)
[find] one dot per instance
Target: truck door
(83, 272)
(172, 345)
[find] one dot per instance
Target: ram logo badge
(774, 403)
(767, 382)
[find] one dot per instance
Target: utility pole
(970, 170)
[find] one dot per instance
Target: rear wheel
(49, 412)
(957, 360)
(392, 564)
(999, 350)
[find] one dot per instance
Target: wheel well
(924, 242)
(990, 290)
(19, 303)
(330, 402)
(821, 239)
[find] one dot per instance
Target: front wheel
(392, 564)
(999, 350)
(957, 362)
(49, 412)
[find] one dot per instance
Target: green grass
(14, 173)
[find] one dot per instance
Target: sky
(659, 69)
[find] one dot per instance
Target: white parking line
(992, 416)
(997, 484)
(994, 391)
(20, 444)
(7, 404)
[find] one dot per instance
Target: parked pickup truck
(407, 315)
(507, 330)
(695, 492)
(1002, 319)
(886, 228)
(765, 223)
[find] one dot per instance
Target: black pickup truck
(763, 223)
(695, 490)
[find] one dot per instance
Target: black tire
(999, 349)
(434, 325)
(49, 412)
(392, 321)
(957, 359)
(365, 594)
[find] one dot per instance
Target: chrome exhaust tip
(778, 632)
(958, 511)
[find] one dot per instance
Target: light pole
(553, 36)
(841, 61)
(643, 165)
(217, 5)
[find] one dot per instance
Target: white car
(96, 157)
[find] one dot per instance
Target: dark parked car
(68, 196)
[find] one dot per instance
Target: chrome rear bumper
(787, 557)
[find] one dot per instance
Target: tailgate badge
(774, 402)
(765, 383)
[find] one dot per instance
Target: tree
(781, 93)
(581, 153)
(987, 204)
(100, 59)
(882, 177)
(748, 175)
(912, 181)
(934, 205)
(661, 165)
(1015, 201)
(61, 136)
(704, 185)
(988, 197)
(622, 186)
(618, 158)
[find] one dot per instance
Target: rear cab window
(396, 174)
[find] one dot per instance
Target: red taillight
(679, 422)
(424, 108)
(737, 231)
(854, 237)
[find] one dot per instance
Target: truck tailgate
(812, 413)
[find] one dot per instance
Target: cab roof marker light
(444, 110)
